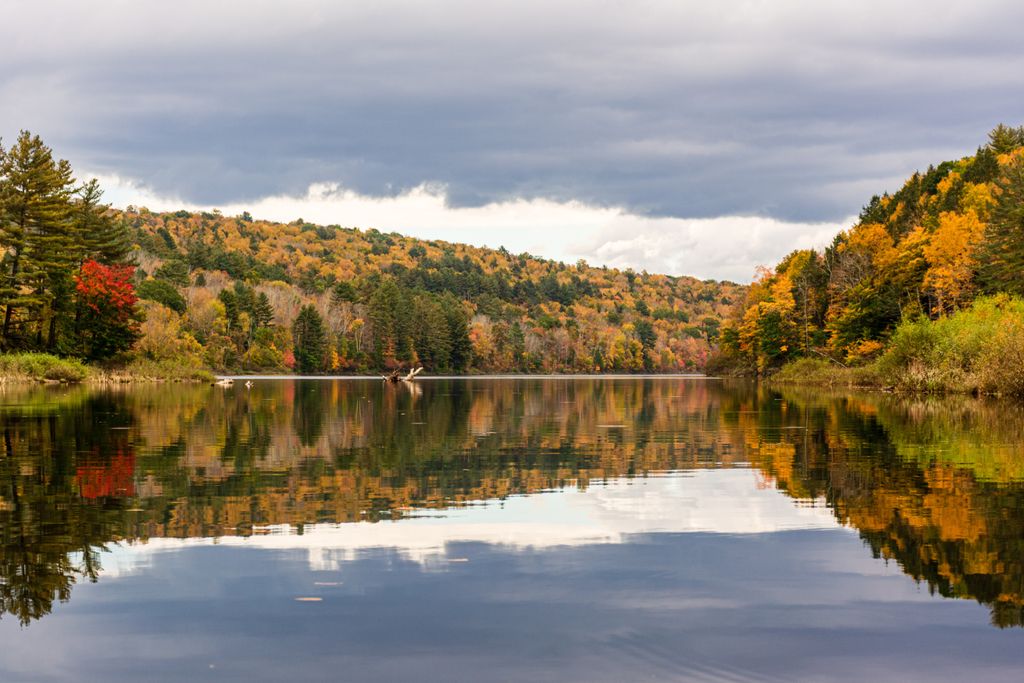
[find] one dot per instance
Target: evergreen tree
(430, 334)
(104, 239)
(263, 311)
(984, 168)
(403, 327)
(231, 309)
(310, 340)
(1003, 264)
(40, 249)
(648, 338)
(175, 272)
(382, 313)
(1004, 139)
(458, 332)
(344, 291)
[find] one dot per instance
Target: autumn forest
(174, 294)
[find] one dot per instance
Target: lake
(508, 529)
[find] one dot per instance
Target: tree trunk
(10, 307)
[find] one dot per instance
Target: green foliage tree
(103, 237)
(430, 334)
(1003, 263)
(263, 311)
(175, 272)
(1004, 139)
(162, 292)
(458, 333)
(383, 312)
(41, 249)
(310, 340)
(648, 338)
(344, 291)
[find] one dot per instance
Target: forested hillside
(372, 301)
(915, 270)
(236, 294)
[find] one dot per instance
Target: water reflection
(935, 485)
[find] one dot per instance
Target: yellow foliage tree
(951, 258)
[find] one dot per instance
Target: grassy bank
(43, 367)
(822, 372)
(978, 350)
(145, 370)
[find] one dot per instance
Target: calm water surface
(508, 530)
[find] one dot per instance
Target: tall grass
(148, 370)
(41, 367)
(821, 372)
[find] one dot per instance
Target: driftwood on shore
(397, 376)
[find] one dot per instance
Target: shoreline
(477, 376)
(36, 368)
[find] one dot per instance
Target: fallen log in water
(397, 376)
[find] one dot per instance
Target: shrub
(1001, 365)
(978, 349)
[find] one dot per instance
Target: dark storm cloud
(796, 110)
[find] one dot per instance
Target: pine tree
(648, 338)
(458, 332)
(263, 311)
(382, 312)
(1004, 249)
(231, 308)
(104, 239)
(175, 272)
(41, 252)
(310, 340)
(344, 291)
(430, 333)
(1004, 139)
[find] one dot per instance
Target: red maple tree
(109, 321)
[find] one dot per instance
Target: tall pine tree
(40, 248)
(310, 340)
(1003, 262)
(104, 239)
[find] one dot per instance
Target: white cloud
(794, 109)
(728, 247)
(702, 501)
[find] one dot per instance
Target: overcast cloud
(776, 116)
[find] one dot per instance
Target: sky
(682, 137)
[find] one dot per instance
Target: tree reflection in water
(935, 485)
